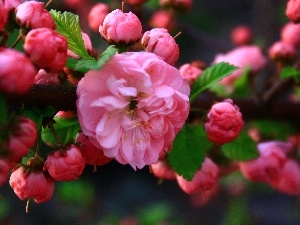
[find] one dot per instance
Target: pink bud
(16, 72)
(3, 15)
(12, 4)
(272, 156)
(36, 185)
(4, 169)
(135, 2)
(290, 33)
(163, 170)
(160, 42)
(224, 122)
(190, 72)
(45, 78)
(64, 165)
(92, 154)
(293, 10)
(46, 49)
(282, 51)
(288, 180)
(204, 179)
(32, 15)
(121, 28)
(162, 19)
(241, 35)
(97, 14)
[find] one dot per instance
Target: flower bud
(12, 4)
(282, 52)
(163, 170)
(160, 42)
(162, 19)
(32, 184)
(46, 49)
(45, 78)
(121, 28)
(290, 33)
(4, 169)
(241, 35)
(204, 179)
(190, 72)
(292, 10)
(32, 15)
(65, 165)
(224, 122)
(3, 15)
(97, 14)
(16, 72)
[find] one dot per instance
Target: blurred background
(116, 194)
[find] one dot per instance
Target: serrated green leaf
(289, 71)
(66, 128)
(188, 151)
(242, 148)
(67, 24)
(210, 76)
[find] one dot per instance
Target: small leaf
(66, 128)
(188, 151)
(210, 76)
(243, 148)
(289, 71)
(67, 24)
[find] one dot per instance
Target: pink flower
(288, 179)
(3, 15)
(242, 57)
(290, 33)
(162, 19)
(163, 170)
(160, 42)
(121, 28)
(64, 165)
(32, 15)
(189, 72)
(282, 51)
(34, 184)
(4, 169)
(133, 107)
(92, 154)
(135, 2)
(46, 49)
(204, 180)
(45, 78)
(292, 10)
(241, 35)
(12, 4)
(16, 72)
(97, 14)
(224, 122)
(272, 156)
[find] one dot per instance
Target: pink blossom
(16, 72)
(290, 33)
(162, 19)
(282, 51)
(4, 169)
(64, 165)
(204, 180)
(272, 156)
(190, 72)
(133, 107)
(241, 35)
(12, 4)
(46, 49)
(135, 2)
(160, 42)
(3, 15)
(121, 28)
(45, 78)
(34, 184)
(97, 14)
(288, 179)
(163, 170)
(242, 57)
(92, 154)
(292, 10)
(224, 122)
(32, 15)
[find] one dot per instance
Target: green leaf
(66, 128)
(243, 148)
(67, 24)
(210, 76)
(241, 87)
(289, 71)
(188, 151)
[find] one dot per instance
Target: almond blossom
(133, 107)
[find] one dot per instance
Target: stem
(27, 206)
(58, 141)
(19, 38)
(48, 3)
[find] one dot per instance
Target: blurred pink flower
(4, 169)
(3, 15)
(282, 51)
(292, 10)
(133, 107)
(162, 19)
(241, 35)
(189, 72)
(97, 14)
(290, 33)
(161, 169)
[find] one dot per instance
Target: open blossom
(32, 15)
(292, 10)
(121, 28)
(272, 156)
(133, 107)
(160, 42)
(46, 49)
(16, 72)
(224, 122)
(64, 165)
(97, 14)
(36, 184)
